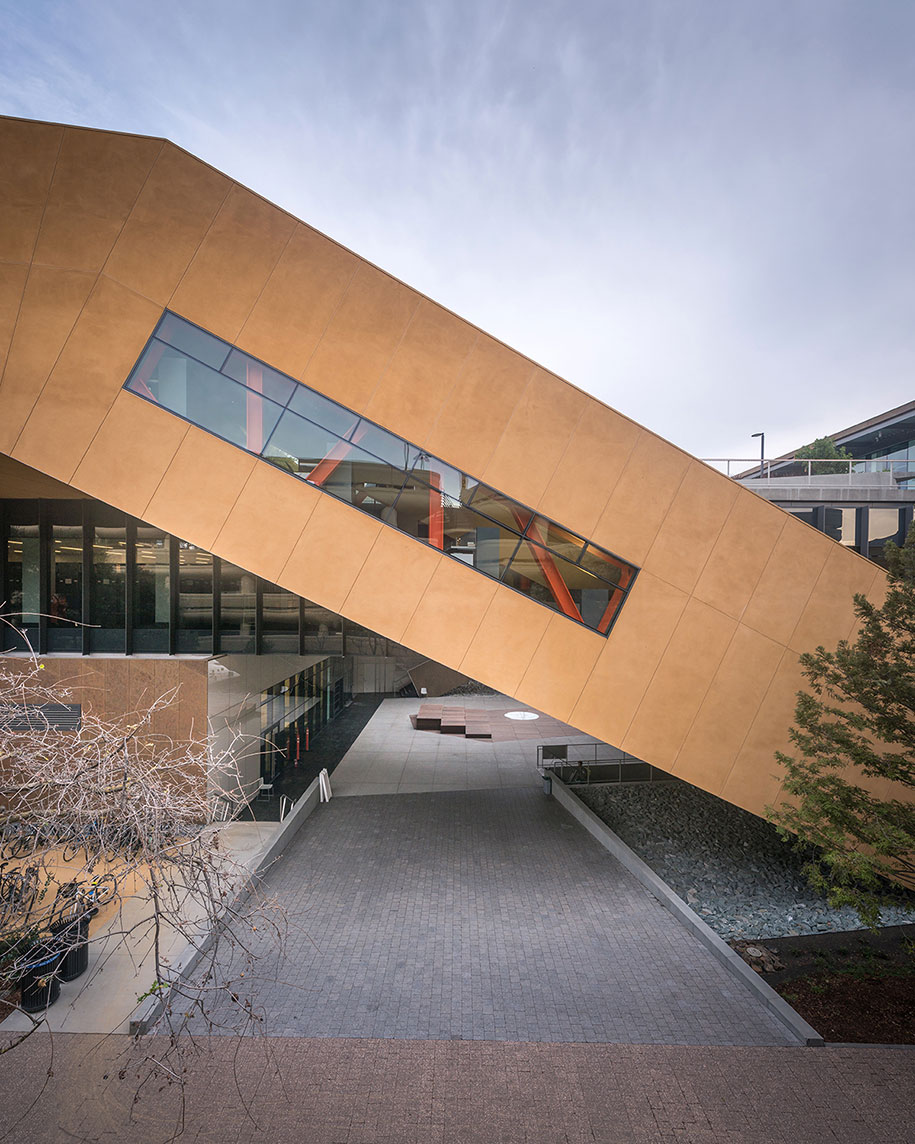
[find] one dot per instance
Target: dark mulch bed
(855, 987)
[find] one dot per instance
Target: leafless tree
(111, 818)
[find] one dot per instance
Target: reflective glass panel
(882, 525)
(452, 482)
(607, 567)
(259, 377)
(195, 599)
(322, 411)
(237, 598)
(280, 620)
(565, 587)
(66, 602)
(387, 446)
(207, 398)
(361, 479)
(840, 525)
(23, 572)
(567, 544)
(299, 446)
(151, 591)
(108, 594)
(501, 508)
(322, 631)
(192, 340)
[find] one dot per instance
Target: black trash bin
(75, 941)
(40, 980)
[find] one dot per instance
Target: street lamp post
(762, 453)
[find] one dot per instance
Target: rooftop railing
(748, 467)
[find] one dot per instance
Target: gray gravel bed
(730, 866)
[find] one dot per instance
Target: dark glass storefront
(863, 528)
(294, 711)
(79, 576)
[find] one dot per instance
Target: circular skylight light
(521, 715)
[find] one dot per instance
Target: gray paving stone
(483, 915)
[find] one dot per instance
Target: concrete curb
(150, 1009)
(658, 888)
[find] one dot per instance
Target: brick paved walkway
(484, 915)
(423, 1092)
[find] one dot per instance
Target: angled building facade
(180, 352)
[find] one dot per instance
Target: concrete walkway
(487, 915)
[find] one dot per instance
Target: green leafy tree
(856, 722)
(825, 449)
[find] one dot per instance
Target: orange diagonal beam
(335, 455)
(436, 513)
(557, 585)
(613, 604)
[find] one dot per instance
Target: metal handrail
(900, 468)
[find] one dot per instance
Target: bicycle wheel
(104, 889)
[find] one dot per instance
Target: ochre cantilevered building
(178, 348)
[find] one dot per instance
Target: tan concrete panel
(784, 587)
(641, 498)
(269, 494)
(741, 552)
(422, 373)
(361, 339)
(141, 684)
(537, 434)
(96, 182)
(168, 222)
(678, 687)
(233, 263)
(631, 654)
(728, 709)
(589, 469)
(300, 298)
(199, 488)
(479, 406)
(756, 778)
(829, 614)
(88, 375)
(561, 667)
(691, 526)
(393, 559)
(448, 614)
(28, 152)
(51, 303)
(505, 643)
(130, 453)
(12, 286)
(330, 552)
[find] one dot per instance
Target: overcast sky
(700, 211)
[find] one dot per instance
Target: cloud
(700, 213)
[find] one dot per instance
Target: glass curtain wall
(228, 393)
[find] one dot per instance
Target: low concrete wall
(666, 896)
(150, 1009)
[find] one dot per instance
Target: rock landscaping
(730, 866)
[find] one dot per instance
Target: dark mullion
(905, 523)
(5, 602)
(862, 531)
(217, 605)
(819, 517)
(258, 616)
(173, 567)
(44, 575)
(301, 626)
(130, 572)
(88, 600)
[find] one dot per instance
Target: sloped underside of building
(691, 666)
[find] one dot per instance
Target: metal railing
(812, 466)
(595, 763)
